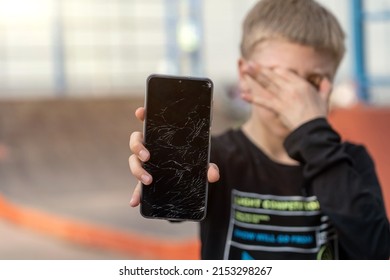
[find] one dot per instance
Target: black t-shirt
(261, 209)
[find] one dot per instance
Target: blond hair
(299, 21)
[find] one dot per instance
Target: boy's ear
(241, 63)
(242, 76)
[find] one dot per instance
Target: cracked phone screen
(177, 135)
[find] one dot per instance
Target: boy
(287, 187)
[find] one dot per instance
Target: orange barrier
(140, 246)
(369, 126)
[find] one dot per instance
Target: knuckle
(135, 166)
(135, 144)
(136, 147)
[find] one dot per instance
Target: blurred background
(73, 72)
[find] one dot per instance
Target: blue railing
(363, 79)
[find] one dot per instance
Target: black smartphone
(177, 135)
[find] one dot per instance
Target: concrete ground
(69, 158)
(64, 164)
(19, 243)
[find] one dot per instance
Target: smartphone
(177, 135)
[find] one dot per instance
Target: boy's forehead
(301, 59)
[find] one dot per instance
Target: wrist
(303, 120)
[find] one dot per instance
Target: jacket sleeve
(343, 178)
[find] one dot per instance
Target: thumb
(213, 173)
(140, 113)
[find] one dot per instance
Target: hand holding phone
(177, 135)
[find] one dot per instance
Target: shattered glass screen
(177, 133)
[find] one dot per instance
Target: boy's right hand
(140, 154)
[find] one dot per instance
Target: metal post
(358, 61)
(171, 16)
(58, 49)
(195, 14)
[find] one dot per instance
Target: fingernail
(215, 166)
(131, 201)
(144, 155)
(146, 179)
(246, 97)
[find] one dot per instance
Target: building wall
(110, 47)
